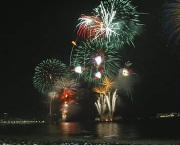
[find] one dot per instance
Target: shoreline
(46, 141)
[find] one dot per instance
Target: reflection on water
(96, 131)
(62, 129)
(118, 130)
(70, 128)
(109, 129)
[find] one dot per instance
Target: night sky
(32, 31)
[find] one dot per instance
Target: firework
(126, 70)
(123, 72)
(64, 110)
(101, 90)
(113, 20)
(67, 88)
(51, 95)
(170, 22)
(100, 58)
(111, 103)
(101, 107)
(46, 73)
(121, 20)
(88, 26)
(101, 103)
(67, 96)
(106, 103)
(65, 83)
(108, 83)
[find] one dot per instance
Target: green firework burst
(46, 73)
(85, 54)
(121, 20)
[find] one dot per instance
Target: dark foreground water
(150, 131)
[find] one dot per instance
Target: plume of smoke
(126, 84)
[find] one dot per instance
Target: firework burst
(46, 73)
(66, 83)
(171, 22)
(106, 101)
(97, 58)
(100, 90)
(113, 20)
(121, 20)
(108, 83)
(88, 26)
(67, 88)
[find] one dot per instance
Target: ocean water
(150, 131)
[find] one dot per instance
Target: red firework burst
(90, 27)
(67, 95)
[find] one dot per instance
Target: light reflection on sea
(138, 131)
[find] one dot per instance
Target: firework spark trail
(51, 95)
(114, 97)
(101, 102)
(111, 101)
(170, 21)
(98, 106)
(101, 106)
(67, 88)
(107, 99)
(108, 27)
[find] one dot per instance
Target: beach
(43, 141)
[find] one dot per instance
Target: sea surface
(159, 131)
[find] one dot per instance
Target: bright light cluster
(94, 60)
(112, 25)
(95, 56)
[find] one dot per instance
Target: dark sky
(32, 31)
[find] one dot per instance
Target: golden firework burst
(108, 83)
(100, 90)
